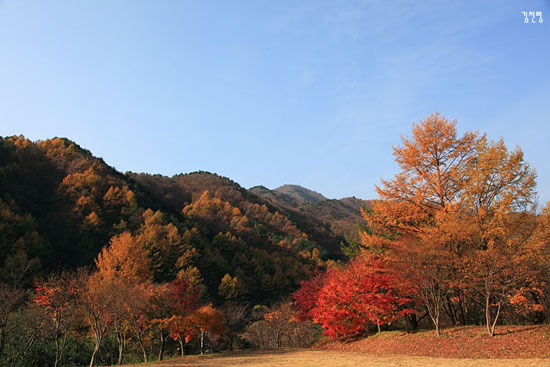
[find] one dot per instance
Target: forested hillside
(61, 206)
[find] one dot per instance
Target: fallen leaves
(461, 342)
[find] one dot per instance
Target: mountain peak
(301, 194)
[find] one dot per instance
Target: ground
(324, 358)
(460, 342)
(469, 346)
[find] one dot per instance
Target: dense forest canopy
(61, 206)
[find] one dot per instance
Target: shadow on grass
(517, 329)
(471, 331)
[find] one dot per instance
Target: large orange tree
(454, 219)
(409, 222)
(123, 268)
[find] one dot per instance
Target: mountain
(343, 215)
(60, 205)
(279, 218)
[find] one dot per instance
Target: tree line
(455, 237)
(117, 301)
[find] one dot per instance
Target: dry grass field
(469, 346)
(324, 358)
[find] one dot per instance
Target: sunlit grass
(323, 358)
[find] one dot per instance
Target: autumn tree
(351, 298)
(163, 241)
(10, 300)
(186, 292)
(281, 320)
(122, 267)
(138, 306)
(405, 223)
(207, 319)
(306, 296)
(236, 318)
(95, 298)
(433, 163)
(499, 191)
(539, 255)
(160, 309)
(126, 260)
(126, 266)
(57, 296)
(231, 288)
(173, 304)
(279, 326)
(13, 277)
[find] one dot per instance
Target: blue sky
(272, 92)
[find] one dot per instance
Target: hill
(460, 342)
(60, 205)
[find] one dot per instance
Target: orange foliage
(126, 259)
(455, 217)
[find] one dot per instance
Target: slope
(60, 205)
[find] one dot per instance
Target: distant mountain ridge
(301, 194)
(343, 215)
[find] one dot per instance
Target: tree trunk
(434, 315)
(462, 312)
(142, 346)
(378, 325)
(182, 345)
(120, 349)
(411, 322)
(99, 332)
(491, 324)
(96, 349)
(202, 342)
(139, 335)
(21, 350)
(57, 348)
(161, 348)
(450, 310)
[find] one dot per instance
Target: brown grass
(460, 342)
(324, 358)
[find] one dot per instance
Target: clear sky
(268, 92)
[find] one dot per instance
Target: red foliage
(185, 295)
(347, 300)
(55, 296)
(306, 296)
